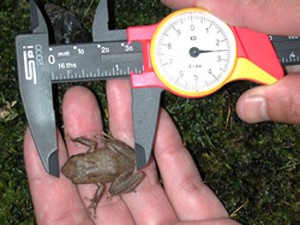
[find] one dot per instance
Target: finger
(209, 222)
(279, 102)
(120, 110)
(190, 197)
(271, 17)
(177, 4)
(292, 69)
(82, 117)
(55, 200)
(146, 203)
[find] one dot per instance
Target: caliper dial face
(193, 52)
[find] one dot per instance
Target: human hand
(279, 102)
(182, 199)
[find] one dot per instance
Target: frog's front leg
(126, 183)
(87, 142)
(95, 200)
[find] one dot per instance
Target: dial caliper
(190, 53)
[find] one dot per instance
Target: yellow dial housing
(193, 52)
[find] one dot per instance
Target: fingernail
(254, 109)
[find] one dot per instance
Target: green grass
(254, 169)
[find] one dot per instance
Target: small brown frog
(113, 164)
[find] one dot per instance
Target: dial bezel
(168, 25)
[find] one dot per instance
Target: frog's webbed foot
(95, 200)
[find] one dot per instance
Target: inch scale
(85, 62)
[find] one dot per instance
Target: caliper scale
(66, 62)
(190, 53)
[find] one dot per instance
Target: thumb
(271, 17)
(279, 102)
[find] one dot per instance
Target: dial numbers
(193, 52)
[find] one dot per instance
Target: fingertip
(81, 113)
(177, 4)
(278, 102)
(252, 106)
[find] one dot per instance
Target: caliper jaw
(38, 22)
(146, 104)
(146, 95)
(36, 89)
(101, 30)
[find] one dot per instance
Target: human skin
(183, 198)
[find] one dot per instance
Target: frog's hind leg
(96, 199)
(125, 183)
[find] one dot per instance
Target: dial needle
(195, 52)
